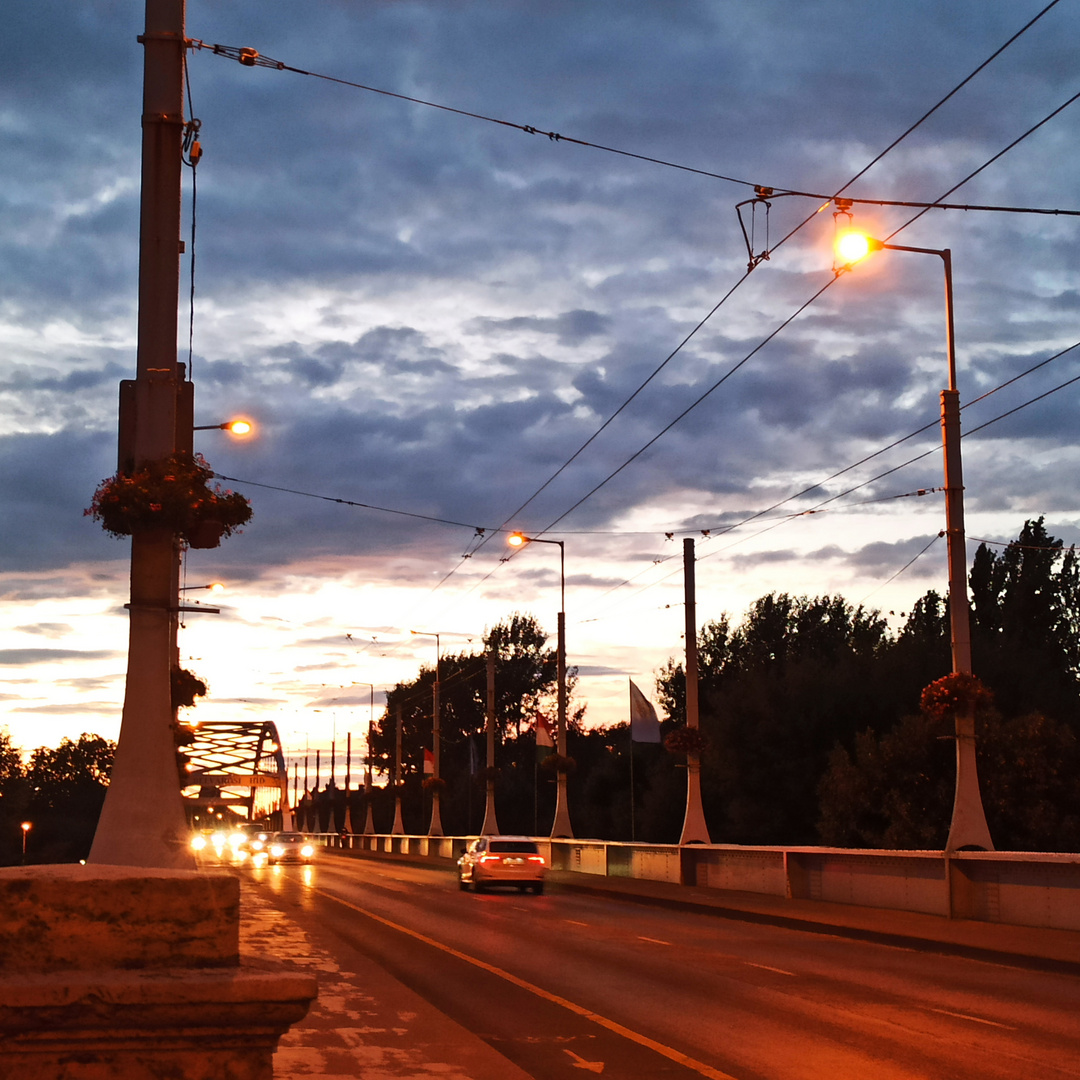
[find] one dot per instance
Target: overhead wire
(252, 58)
(721, 530)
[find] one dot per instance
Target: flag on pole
(644, 726)
(429, 762)
(545, 744)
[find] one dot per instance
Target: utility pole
(398, 828)
(694, 830)
(491, 825)
(142, 822)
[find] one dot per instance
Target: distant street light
(968, 827)
(26, 826)
(214, 587)
(561, 825)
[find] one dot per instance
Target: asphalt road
(567, 984)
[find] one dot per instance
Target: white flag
(644, 726)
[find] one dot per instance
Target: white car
(502, 860)
(290, 847)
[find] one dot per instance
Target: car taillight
(490, 858)
(536, 858)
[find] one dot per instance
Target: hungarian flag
(545, 743)
(644, 727)
(429, 762)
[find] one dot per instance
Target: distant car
(224, 845)
(290, 847)
(502, 860)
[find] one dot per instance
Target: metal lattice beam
(236, 764)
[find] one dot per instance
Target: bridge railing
(1017, 888)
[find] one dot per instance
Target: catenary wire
(253, 59)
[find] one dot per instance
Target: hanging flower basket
(686, 740)
(434, 784)
(186, 686)
(175, 494)
(954, 694)
(558, 764)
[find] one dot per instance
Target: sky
(430, 313)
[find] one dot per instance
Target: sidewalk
(364, 1022)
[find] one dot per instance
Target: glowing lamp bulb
(515, 539)
(853, 246)
(240, 427)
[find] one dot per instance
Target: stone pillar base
(124, 973)
(181, 1025)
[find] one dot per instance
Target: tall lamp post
(968, 828)
(369, 820)
(142, 821)
(561, 825)
(435, 828)
(26, 826)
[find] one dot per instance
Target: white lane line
(973, 1019)
(574, 922)
(765, 967)
(655, 941)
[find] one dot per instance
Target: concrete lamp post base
(111, 973)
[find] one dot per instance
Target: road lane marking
(574, 922)
(581, 1063)
(655, 941)
(973, 1019)
(765, 967)
(611, 1025)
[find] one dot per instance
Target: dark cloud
(22, 657)
(429, 313)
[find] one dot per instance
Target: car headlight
(277, 851)
(307, 851)
(256, 845)
(218, 840)
(198, 843)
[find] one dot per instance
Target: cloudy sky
(430, 313)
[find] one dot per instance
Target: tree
(1026, 624)
(775, 696)
(525, 674)
(60, 790)
(12, 800)
(896, 790)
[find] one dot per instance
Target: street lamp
(561, 825)
(968, 827)
(239, 427)
(369, 821)
(26, 826)
(435, 828)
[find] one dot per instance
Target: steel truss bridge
(235, 766)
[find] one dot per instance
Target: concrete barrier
(1018, 888)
